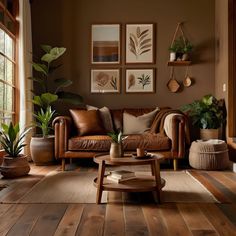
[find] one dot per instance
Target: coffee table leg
(156, 169)
(101, 171)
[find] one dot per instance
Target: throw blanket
(158, 123)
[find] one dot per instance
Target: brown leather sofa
(69, 145)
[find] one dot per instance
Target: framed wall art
(140, 81)
(105, 81)
(140, 43)
(105, 44)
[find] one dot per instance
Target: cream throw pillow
(105, 117)
(139, 124)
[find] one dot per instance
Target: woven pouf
(209, 155)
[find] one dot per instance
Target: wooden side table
(141, 183)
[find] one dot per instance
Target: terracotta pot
(206, 134)
(42, 150)
(14, 167)
(115, 150)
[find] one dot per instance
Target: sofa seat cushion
(102, 143)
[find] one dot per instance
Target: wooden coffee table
(141, 183)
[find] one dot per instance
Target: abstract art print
(140, 81)
(105, 81)
(105, 44)
(140, 43)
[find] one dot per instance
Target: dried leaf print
(140, 43)
(144, 80)
(131, 81)
(114, 82)
(138, 32)
(102, 79)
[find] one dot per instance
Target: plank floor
(126, 218)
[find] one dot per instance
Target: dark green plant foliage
(206, 113)
(117, 137)
(179, 46)
(45, 68)
(11, 140)
(44, 119)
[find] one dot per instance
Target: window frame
(15, 37)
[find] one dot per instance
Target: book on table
(120, 174)
(119, 180)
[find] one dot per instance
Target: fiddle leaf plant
(51, 89)
(206, 113)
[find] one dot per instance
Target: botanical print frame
(105, 80)
(139, 43)
(140, 80)
(105, 43)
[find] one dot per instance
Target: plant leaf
(143, 32)
(145, 51)
(40, 68)
(70, 97)
(62, 83)
(46, 48)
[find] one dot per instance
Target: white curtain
(25, 68)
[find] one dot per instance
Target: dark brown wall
(67, 23)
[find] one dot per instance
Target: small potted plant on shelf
(206, 114)
(116, 149)
(14, 163)
(180, 49)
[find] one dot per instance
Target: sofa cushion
(151, 142)
(138, 124)
(87, 122)
(105, 116)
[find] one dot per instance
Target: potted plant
(14, 163)
(49, 91)
(206, 114)
(116, 149)
(42, 146)
(180, 49)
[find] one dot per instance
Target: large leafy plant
(11, 139)
(206, 113)
(44, 119)
(51, 89)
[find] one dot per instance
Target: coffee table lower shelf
(141, 183)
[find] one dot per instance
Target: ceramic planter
(206, 134)
(42, 150)
(14, 167)
(172, 56)
(116, 150)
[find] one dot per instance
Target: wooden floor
(127, 218)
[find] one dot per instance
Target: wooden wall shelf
(179, 63)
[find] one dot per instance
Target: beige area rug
(77, 187)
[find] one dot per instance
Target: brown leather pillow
(87, 122)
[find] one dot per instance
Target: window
(8, 33)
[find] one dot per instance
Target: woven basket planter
(209, 155)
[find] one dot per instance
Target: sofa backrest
(117, 115)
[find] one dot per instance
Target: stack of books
(119, 176)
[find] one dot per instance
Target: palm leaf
(143, 32)
(144, 42)
(144, 51)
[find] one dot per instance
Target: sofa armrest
(62, 128)
(175, 127)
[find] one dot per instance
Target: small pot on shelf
(172, 56)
